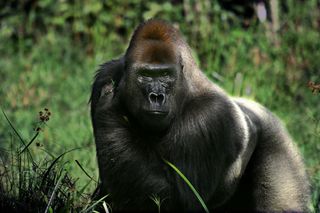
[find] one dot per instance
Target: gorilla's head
(153, 82)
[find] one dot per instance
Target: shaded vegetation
(32, 185)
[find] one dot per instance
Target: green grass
(56, 71)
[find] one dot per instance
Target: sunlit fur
(236, 153)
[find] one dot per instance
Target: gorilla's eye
(154, 73)
(145, 73)
(165, 73)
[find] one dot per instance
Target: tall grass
(28, 184)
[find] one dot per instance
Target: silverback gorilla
(154, 103)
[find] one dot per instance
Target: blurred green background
(49, 51)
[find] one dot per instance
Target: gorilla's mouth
(157, 112)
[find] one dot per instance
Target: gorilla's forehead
(154, 52)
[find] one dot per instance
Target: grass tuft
(30, 184)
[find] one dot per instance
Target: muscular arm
(127, 168)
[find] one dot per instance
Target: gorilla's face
(152, 94)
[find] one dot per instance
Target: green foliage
(51, 49)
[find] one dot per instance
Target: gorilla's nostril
(161, 99)
(153, 97)
(157, 98)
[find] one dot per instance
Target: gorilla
(154, 103)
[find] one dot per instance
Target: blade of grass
(26, 147)
(47, 152)
(14, 129)
(6, 173)
(56, 187)
(185, 179)
(17, 133)
(93, 205)
(157, 200)
(85, 172)
(81, 191)
(52, 164)
(105, 207)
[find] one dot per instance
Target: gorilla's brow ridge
(154, 66)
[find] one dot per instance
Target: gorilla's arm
(131, 170)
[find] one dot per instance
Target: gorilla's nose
(157, 99)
